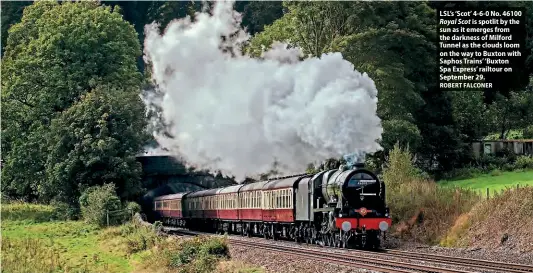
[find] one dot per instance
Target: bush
(489, 162)
(463, 173)
(496, 172)
(96, 201)
(419, 207)
(63, 212)
(133, 207)
(528, 132)
(200, 254)
(524, 162)
(131, 238)
(399, 168)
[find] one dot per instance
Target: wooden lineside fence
(120, 215)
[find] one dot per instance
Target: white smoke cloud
(239, 115)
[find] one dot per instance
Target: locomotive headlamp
(383, 226)
(346, 226)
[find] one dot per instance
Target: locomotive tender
(340, 207)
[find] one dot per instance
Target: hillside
(502, 222)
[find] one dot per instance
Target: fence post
(107, 216)
(487, 193)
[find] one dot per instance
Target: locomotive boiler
(342, 207)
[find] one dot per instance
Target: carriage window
(290, 198)
(286, 199)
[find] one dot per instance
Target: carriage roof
(282, 183)
(230, 189)
(256, 186)
(170, 196)
(203, 193)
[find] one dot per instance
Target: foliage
(133, 207)
(94, 142)
(55, 57)
(11, 14)
(200, 254)
(257, 14)
(19, 211)
(512, 112)
(524, 162)
(420, 208)
(402, 132)
(97, 201)
(399, 169)
(469, 112)
(130, 238)
(64, 212)
(528, 132)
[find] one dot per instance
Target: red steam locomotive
(341, 207)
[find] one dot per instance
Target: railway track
(368, 263)
(386, 261)
(477, 263)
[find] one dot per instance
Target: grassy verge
(67, 246)
(495, 181)
(32, 243)
(502, 221)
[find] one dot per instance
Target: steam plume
(240, 115)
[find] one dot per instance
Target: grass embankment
(495, 181)
(33, 243)
(506, 220)
(453, 214)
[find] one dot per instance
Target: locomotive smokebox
(349, 184)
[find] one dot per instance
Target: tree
(11, 14)
(53, 58)
(258, 14)
(94, 142)
(470, 114)
(513, 112)
(400, 132)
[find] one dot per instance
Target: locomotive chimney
(359, 165)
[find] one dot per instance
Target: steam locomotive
(342, 207)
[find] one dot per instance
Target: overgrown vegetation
(96, 202)
(30, 243)
(420, 208)
(501, 221)
(200, 254)
(130, 238)
(20, 211)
